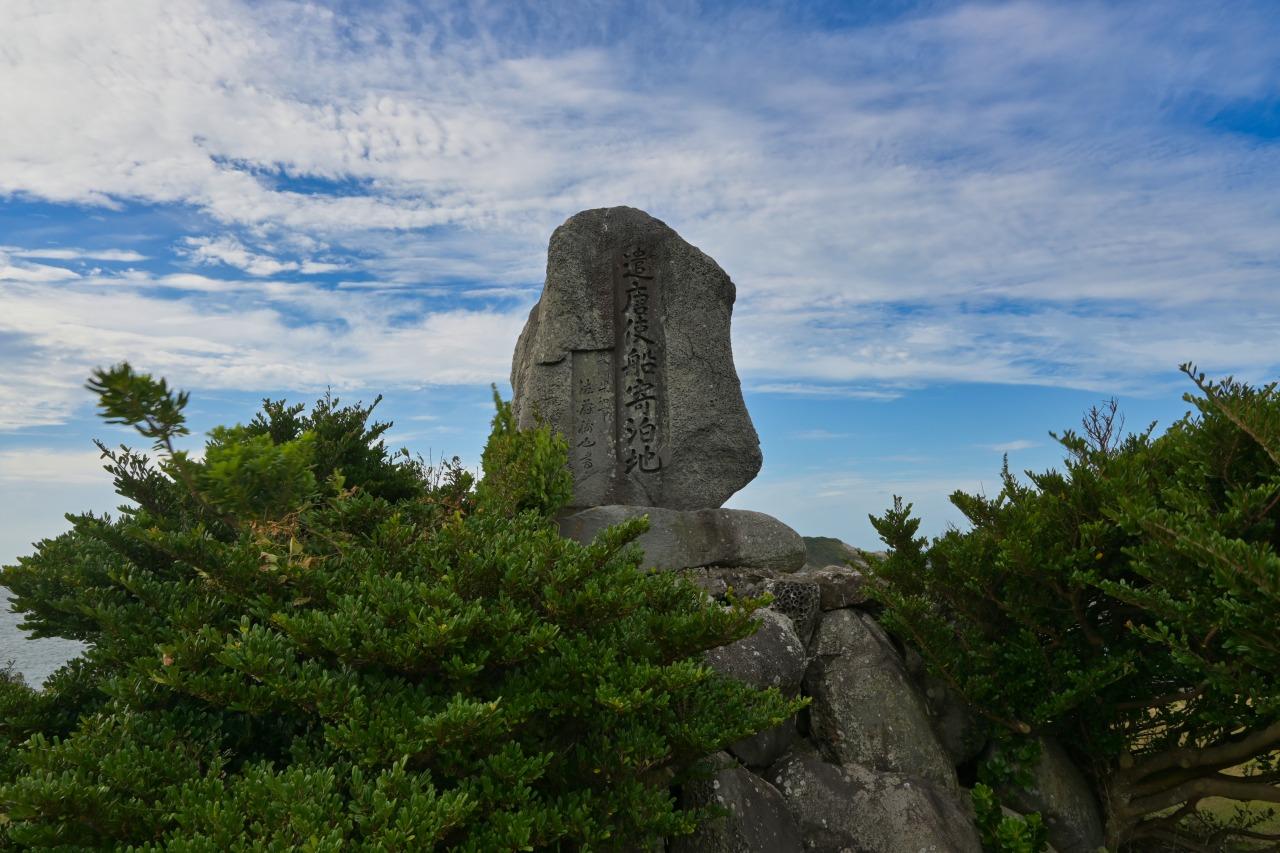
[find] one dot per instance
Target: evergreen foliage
(1128, 605)
(1003, 833)
(303, 641)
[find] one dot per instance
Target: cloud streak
(1024, 192)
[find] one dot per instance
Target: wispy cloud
(1020, 193)
(64, 254)
(807, 389)
(51, 466)
(226, 249)
(235, 337)
(819, 435)
(11, 270)
(1010, 446)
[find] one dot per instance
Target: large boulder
(865, 709)
(853, 808)
(1063, 797)
(958, 728)
(706, 537)
(771, 657)
(757, 821)
(627, 353)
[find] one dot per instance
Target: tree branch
(1082, 620)
(1230, 787)
(1222, 835)
(1159, 701)
(1234, 416)
(1176, 838)
(1220, 755)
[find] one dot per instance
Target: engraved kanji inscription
(640, 385)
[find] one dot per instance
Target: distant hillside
(828, 551)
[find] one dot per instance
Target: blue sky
(953, 226)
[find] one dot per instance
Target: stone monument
(627, 354)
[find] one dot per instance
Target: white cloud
(837, 502)
(803, 389)
(234, 338)
(318, 267)
(51, 466)
(819, 435)
(1010, 446)
(11, 270)
(997, 192)
(228, 250)
(124, 255)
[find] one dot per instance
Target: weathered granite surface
(840, 586)
(1062, 795)
(865, 709)
(854, 808)
(758, 819)
(959, 730)
(773, 656)
(706, 537)
(627, 354)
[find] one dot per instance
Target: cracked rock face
(771, 657)
(865, 709)
(706, 537)
(853, 808)
(1063, 797)
(757, 819)
(627, 354)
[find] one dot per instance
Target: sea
(35, 659)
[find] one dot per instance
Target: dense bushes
(1127, 604)
(301, 641)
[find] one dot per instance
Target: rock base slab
(707, 537)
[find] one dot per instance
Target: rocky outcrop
(865, 709)
(838, 586)
(771, 657)
(850, 807)
(797, 597)
(758, 818)
(627, 354)
(708, 537)
(1064, 799)
(958, 729)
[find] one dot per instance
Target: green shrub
(302, 641)
(1005, 833)
(1126, 605)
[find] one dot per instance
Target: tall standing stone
(627, 354)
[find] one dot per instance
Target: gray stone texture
(852, 808)
(627, 354)
(958, 729)
(795, 596)
(798, 600)
(758, 820)
(1063, 797)
(865, 709)
(706, 537)
(840, 586)
(765, 747)
(771, 657)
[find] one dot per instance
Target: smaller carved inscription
(590, 442)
